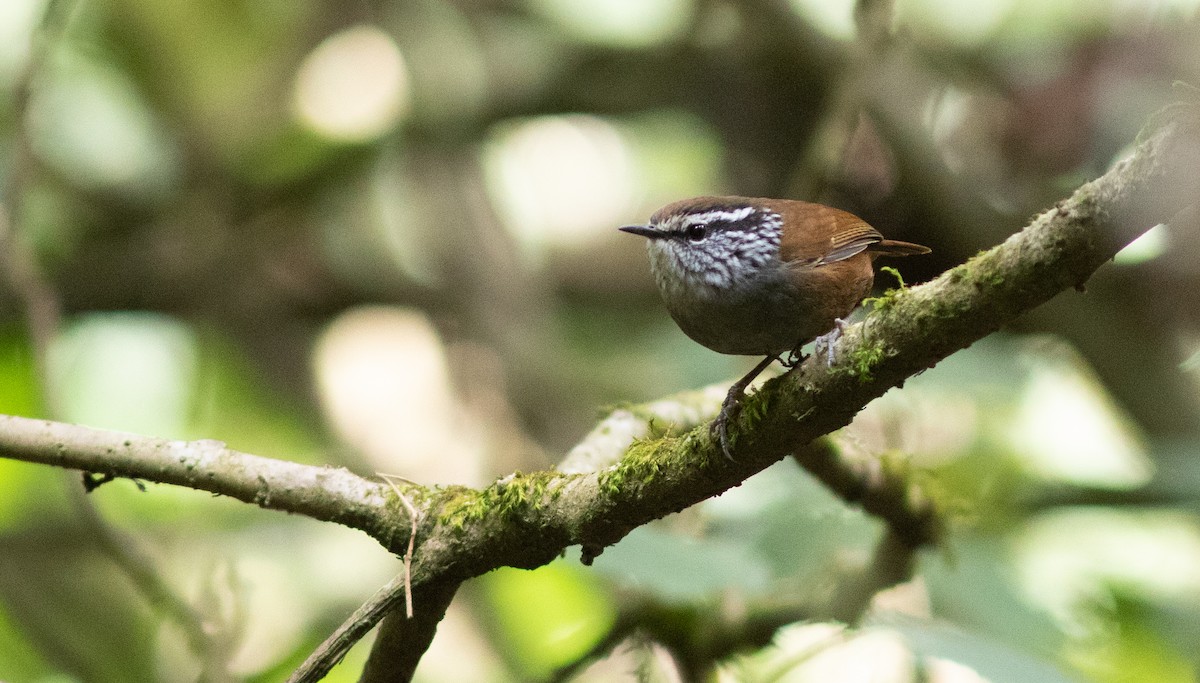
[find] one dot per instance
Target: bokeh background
(381, 235)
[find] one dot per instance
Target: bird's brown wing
(824, 235)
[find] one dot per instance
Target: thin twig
(352, 630)
(412, 537)
(411, 635)
(335, 647)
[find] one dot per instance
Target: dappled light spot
(385, 385)
(561, 180)
(354, 86)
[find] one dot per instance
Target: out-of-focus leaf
(120, 146)
(1134, 647)
(560, 182)
(549, 616)
(18, 20)
(1177, 473)
(677, 154)
(290, 156)
(972, 584)
(19, 660)
(1008, 22)
(1067, 428)
(76, 608)
(793, 522)
(993, 660)
(18, 382)
(1174, 622)
(215, 65)
(234, 405)
(675, 568)
(617, 22)
(1068, 557)
(31, 494)
(125, 371)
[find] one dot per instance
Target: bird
(756, 276)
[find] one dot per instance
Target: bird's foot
(825, 342)
(732, 405)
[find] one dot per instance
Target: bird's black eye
(696, 232)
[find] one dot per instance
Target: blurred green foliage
(380, 235)
(547, 618)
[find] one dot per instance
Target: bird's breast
(769, 311)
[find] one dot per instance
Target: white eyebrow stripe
(718, 215)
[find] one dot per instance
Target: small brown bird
(751, 276)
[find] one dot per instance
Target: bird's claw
(732, 404)
(720, 427)
(825, 342)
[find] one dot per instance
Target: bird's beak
(643, 230)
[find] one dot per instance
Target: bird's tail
(897, 248)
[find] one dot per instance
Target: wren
(761, 277)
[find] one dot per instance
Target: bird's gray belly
(772, 320)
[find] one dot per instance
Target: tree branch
(324, 493)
